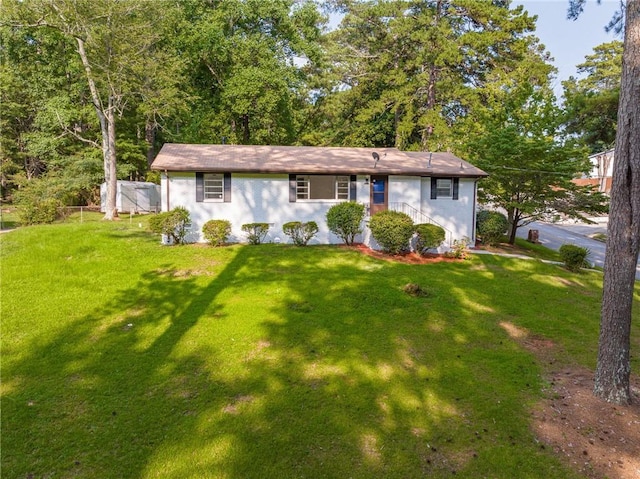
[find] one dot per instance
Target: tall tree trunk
(513, 219)
(150, 138)
(111, 178)
(399, 142)
(106, 117)
(623, 240)
(427, 131)
(246, 134)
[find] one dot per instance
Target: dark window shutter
(434, 185)
(456, 186)
(292, 188)
(227, 187)
(352, 187)
(199, 187)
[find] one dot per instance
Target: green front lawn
(122, 358)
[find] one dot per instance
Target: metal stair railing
(419, 217)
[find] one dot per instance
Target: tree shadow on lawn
(334, 372)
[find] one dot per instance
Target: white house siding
(264, 198)
(405, 189)
(456, 216)
(259, 198)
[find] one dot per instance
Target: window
(322, 187)
(213, 186)
(445, 188)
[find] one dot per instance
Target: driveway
(555, 235)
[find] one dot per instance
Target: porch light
(366, 180)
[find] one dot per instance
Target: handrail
(419, 217)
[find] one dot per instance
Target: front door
(379, 193)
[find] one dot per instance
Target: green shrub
(392, 230)
(459, 250)
(216, 232)
(300, 233)
(345, 219)
(491, 226)
(256, 232)
(43, 211)
(41, 200)
(173, 224)
(429, 237)
(573, 256)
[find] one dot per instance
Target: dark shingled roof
(311, 160)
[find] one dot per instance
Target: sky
(570, 41)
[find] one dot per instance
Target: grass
(122, 358)
(524, 247)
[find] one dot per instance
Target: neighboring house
(601, 172)
(278, 184)
(133, 197)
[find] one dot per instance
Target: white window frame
(442, 191)
(213, 187)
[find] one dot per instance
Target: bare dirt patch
(597, 439)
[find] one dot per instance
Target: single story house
(278, 184)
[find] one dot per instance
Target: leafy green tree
(412, 73)
(529, 163)
(591, 103)
(248, 60)
(39, 82)
(114, 42)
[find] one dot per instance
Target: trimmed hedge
(491, 226)
(216, 232)
(345, 219)
(429, 236)
(300, 233)
(574, 257)
(256, 232)
(392, 230)
(172, 224)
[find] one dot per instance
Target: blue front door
(379, 193)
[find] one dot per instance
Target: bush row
(392, 230)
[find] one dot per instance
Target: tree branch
(68, 131)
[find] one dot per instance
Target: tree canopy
(591, 102)
(95, 88)
(530, 165)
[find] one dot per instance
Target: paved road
(555, 235)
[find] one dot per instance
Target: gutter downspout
(166, 174)
(475, 204)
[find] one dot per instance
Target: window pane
(322, 187)
(378, 191)
(443, 187)
(302, 187)
(342, 187)
(213, 186)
